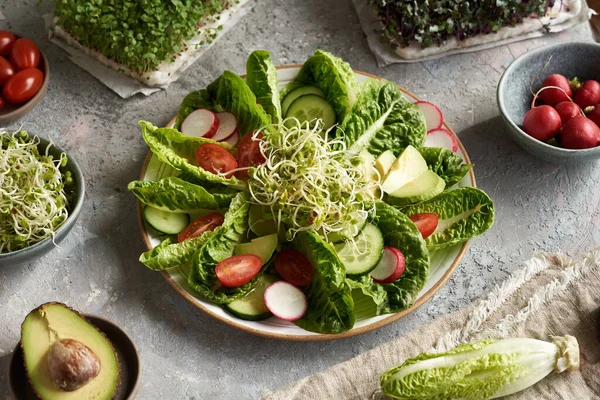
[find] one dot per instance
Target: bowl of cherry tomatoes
(24, 76)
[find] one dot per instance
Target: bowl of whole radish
(549, 99)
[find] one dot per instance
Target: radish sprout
(33, 203)
(306, 184)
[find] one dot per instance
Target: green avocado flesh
(52, 322)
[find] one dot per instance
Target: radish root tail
(538, 74)
(535, 95)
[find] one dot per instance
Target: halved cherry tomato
(249, 154)
(6, 70)
(23, 85)
(2, 103)
(215, 159)
(24, 54)
(426, 223)
(198, 226)
(6, 41)
(294, 267)
(238, 270)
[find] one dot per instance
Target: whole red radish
(555, 96)
(580, 133)
(588, 94)
(567, 110)
(542, 123)
(594, 115)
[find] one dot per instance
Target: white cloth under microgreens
(124, 85)
(385, 55)
(550, 295)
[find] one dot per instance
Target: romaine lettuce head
(383, 119)
(230, 93)
(330, 305)
(399, 232)
(333, 76)
(480, 371)
(447, 164)
(234, 230)
(463, 213)
(176, 195)
(261, 77)
(178, 151)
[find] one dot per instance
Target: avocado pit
(72, 364)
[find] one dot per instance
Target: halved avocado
(54, 322)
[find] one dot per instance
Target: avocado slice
(49, 330)
(263, 247)
(425, 187)
(406, 168)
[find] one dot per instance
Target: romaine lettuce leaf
(330, 305)
(261, 77)
(463, 213)
(370, 298)
(447, 164)
(399, 232)
(218, 247)
(383, 119)
(178, 150)
(232, 94)
(170, 254)
(333, 76)
(176, 195)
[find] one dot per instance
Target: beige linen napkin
(551, 295)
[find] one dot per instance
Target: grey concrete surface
(186, 354)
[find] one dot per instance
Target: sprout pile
(33, 203)
(306, 184)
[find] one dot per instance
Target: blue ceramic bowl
(571, 59)
(37, 250)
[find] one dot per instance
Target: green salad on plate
(318, 204)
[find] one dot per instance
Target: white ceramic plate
(443, 262)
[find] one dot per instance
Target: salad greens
(33, 201)
(315, 188)
(485, 370)
(140, 35)
(383, 119)
(428, 23)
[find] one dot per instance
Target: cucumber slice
(252, 307)
(347, 233)
(310, 107)
(165, 221)
(301, 91)
(363, 257)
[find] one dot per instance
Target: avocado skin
(81, 396)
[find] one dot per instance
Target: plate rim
(318, 337)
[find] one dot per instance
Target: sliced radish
(233, 139)
(200, 123)
(390, 267)
(441, 138)
(433, 115)
(227, 126)
(286, 301)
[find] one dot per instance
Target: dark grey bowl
(38, 249)
(129, 360)
(580, 59)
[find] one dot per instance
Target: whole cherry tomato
(6, 41)
(24, 54)
(23, 85)
(6, 70)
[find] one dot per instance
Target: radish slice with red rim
(286, 301)
(433, 115)
(390, 267)
(227, 126)
(200, 123)
(441, 138)
(233, 139)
